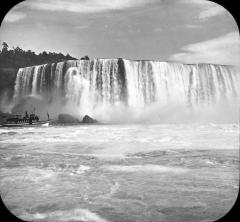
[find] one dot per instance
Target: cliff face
(7, 80)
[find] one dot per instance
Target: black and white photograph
(119, 110)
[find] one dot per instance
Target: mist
(224, 112)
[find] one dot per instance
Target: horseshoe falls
(120, 90)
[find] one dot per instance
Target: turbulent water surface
(120, 172)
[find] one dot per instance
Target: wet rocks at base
(64, 118)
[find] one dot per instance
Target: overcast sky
(189, 31)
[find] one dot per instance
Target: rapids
(161, 172)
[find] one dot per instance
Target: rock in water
(88, 119)
(66, 118)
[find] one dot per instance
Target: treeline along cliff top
(17, 58)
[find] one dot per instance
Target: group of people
(30, 118)
(26, 119)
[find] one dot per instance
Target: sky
(187, 31)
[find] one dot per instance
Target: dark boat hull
(26, 124)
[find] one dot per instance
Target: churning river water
(120, 173)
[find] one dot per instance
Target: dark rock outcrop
(66, 118)
(88, 119)
(85, 58)
(7, 82)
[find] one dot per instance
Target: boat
(26, 121)
(26, 124)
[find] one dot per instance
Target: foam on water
(81, 169)
(64, 215)
(99, 141)
(39, 174)
(114, 188)
(120, 172)
(26, 173)
(148, 168)
(36, 175)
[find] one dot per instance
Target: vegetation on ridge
(17, 58)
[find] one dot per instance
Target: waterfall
(88, 85)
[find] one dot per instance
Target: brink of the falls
(121, 90)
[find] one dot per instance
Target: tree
(4, 47)
(68, 57)
(85, 58)
(18, 58)
(18, 50)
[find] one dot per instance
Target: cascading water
(99, 85)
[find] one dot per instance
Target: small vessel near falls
(18, 121)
